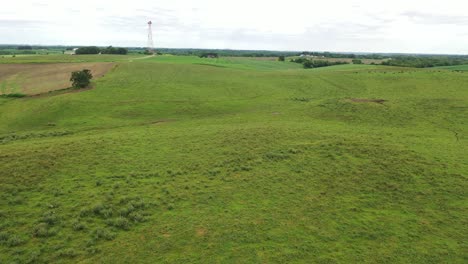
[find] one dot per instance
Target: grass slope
(455, 68)
(230, 62)
(167, 160)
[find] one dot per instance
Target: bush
(15, 241)
(50, 218)
(136, 217)
(281, 58)
(68, 253)
(13, 95)
(42, 230)
(120, 222)
(81, 79)
(78, 226)
(103, 234)
(4, 236)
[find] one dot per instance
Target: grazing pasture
(348, 60)
(455, 68)
(187, 160)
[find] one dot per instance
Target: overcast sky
(412, 26)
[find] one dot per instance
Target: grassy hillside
(180, 159)
(456, 68)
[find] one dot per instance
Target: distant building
(71, 52)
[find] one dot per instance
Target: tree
(281, 58)
(24, 48)
(209, 55)
(81, 79)
(112, 50)
(357, 61)
(88, 50)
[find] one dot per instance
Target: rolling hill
(181, 159)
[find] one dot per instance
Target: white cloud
(424, 26)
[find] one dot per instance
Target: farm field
(172, 159)
(66, 58)
(33, 79)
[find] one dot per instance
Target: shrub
(120, 222)
(104, 234)
(50, 218)
(127, 210)
(136, 217)
(81, 79)
(68, 253)
(92, 250)
(138, 204)
(4, 236)
(41, 230)
(102, 210)
(13, 95)
(85, 212)
(15, 241)
(281, 58)
(78, 226)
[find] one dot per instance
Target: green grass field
(456, 68)
(186, 160)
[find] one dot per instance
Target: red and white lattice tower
(150, 38)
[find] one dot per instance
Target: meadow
(177, 159)
(456, 67)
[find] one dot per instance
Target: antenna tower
(150, 38)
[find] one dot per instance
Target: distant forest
(403, 60)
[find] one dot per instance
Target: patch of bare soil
(362, 100)
(201, 232)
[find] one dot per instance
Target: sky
(403, 26)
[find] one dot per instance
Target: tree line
(310, 64)
(426, 61)
(97, 50)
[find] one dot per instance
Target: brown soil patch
(361, 100)
(33, 79)
(201, 232)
